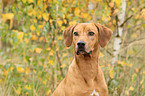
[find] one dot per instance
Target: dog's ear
(68, 35)
(105, 34)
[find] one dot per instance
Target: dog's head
(85, 36)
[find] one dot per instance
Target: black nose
(81, 44)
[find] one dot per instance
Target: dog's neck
(88, 64)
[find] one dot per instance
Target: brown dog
(84, 77)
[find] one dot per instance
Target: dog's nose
(81, 43)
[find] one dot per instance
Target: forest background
(34, 59)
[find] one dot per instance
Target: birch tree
(0, 22)
(119, 31)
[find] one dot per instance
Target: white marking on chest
(94, 93)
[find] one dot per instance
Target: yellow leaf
(137, 16)
(143, 72)
(143, 13)
(133, 9)
(34, 71)
(134, 35)
(72, 22)
(44, 6)
(57, 49)
(109, 18)
(34, 20)
(18, 91)
(102, 66)
(34, 37)
(65, 21)
(11, 68)
(63, 9)
(0, 80)
(118, 2)
(38, 50)
(26, 93)
(114, 22)
(86, 16)
(59, 23)
(44, 81)
(48, 49)
(10, 15)
(28, 87)
(24, 1)
(63, 28)
(111, 73)
(51, 20)
(32, 27)
(28, 70)
(130, 65)
(101, 55)
(16, 31)
(63, 65)
(20, 35)
(30, 12)
(30, 1)
(103, 17)
(63, 16)
(7, 16)
(50, 62)
(116, 10)
(77, 11)
(45, 16)
(48, 92)
(65, 54)
(26, 41)
(20, 69)
(126, 92)
(42, 39)
(137, 70)
(131, 88)
(39, 16)
(44, 66)
(130, 52)
(40, 27)
(5, 72)
(51, 53)
(60, 38)
(111, 4)
(122, 63)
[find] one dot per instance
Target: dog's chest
(87, 93)
(92, 92)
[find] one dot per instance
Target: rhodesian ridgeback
(84, 77)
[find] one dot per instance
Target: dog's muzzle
(81, 48)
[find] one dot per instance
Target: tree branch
(123, 56)
(139, 9)
(126, 21)
(59, 64)
(140, 41)
(116, 17)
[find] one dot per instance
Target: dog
(84, 77)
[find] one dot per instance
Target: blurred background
(34, 59)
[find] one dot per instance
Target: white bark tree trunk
(117, 40)
(0, 22)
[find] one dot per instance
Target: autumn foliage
(34, 59)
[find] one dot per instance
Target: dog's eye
(91, 33)
(76, 34)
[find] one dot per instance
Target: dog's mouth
(83, 52)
